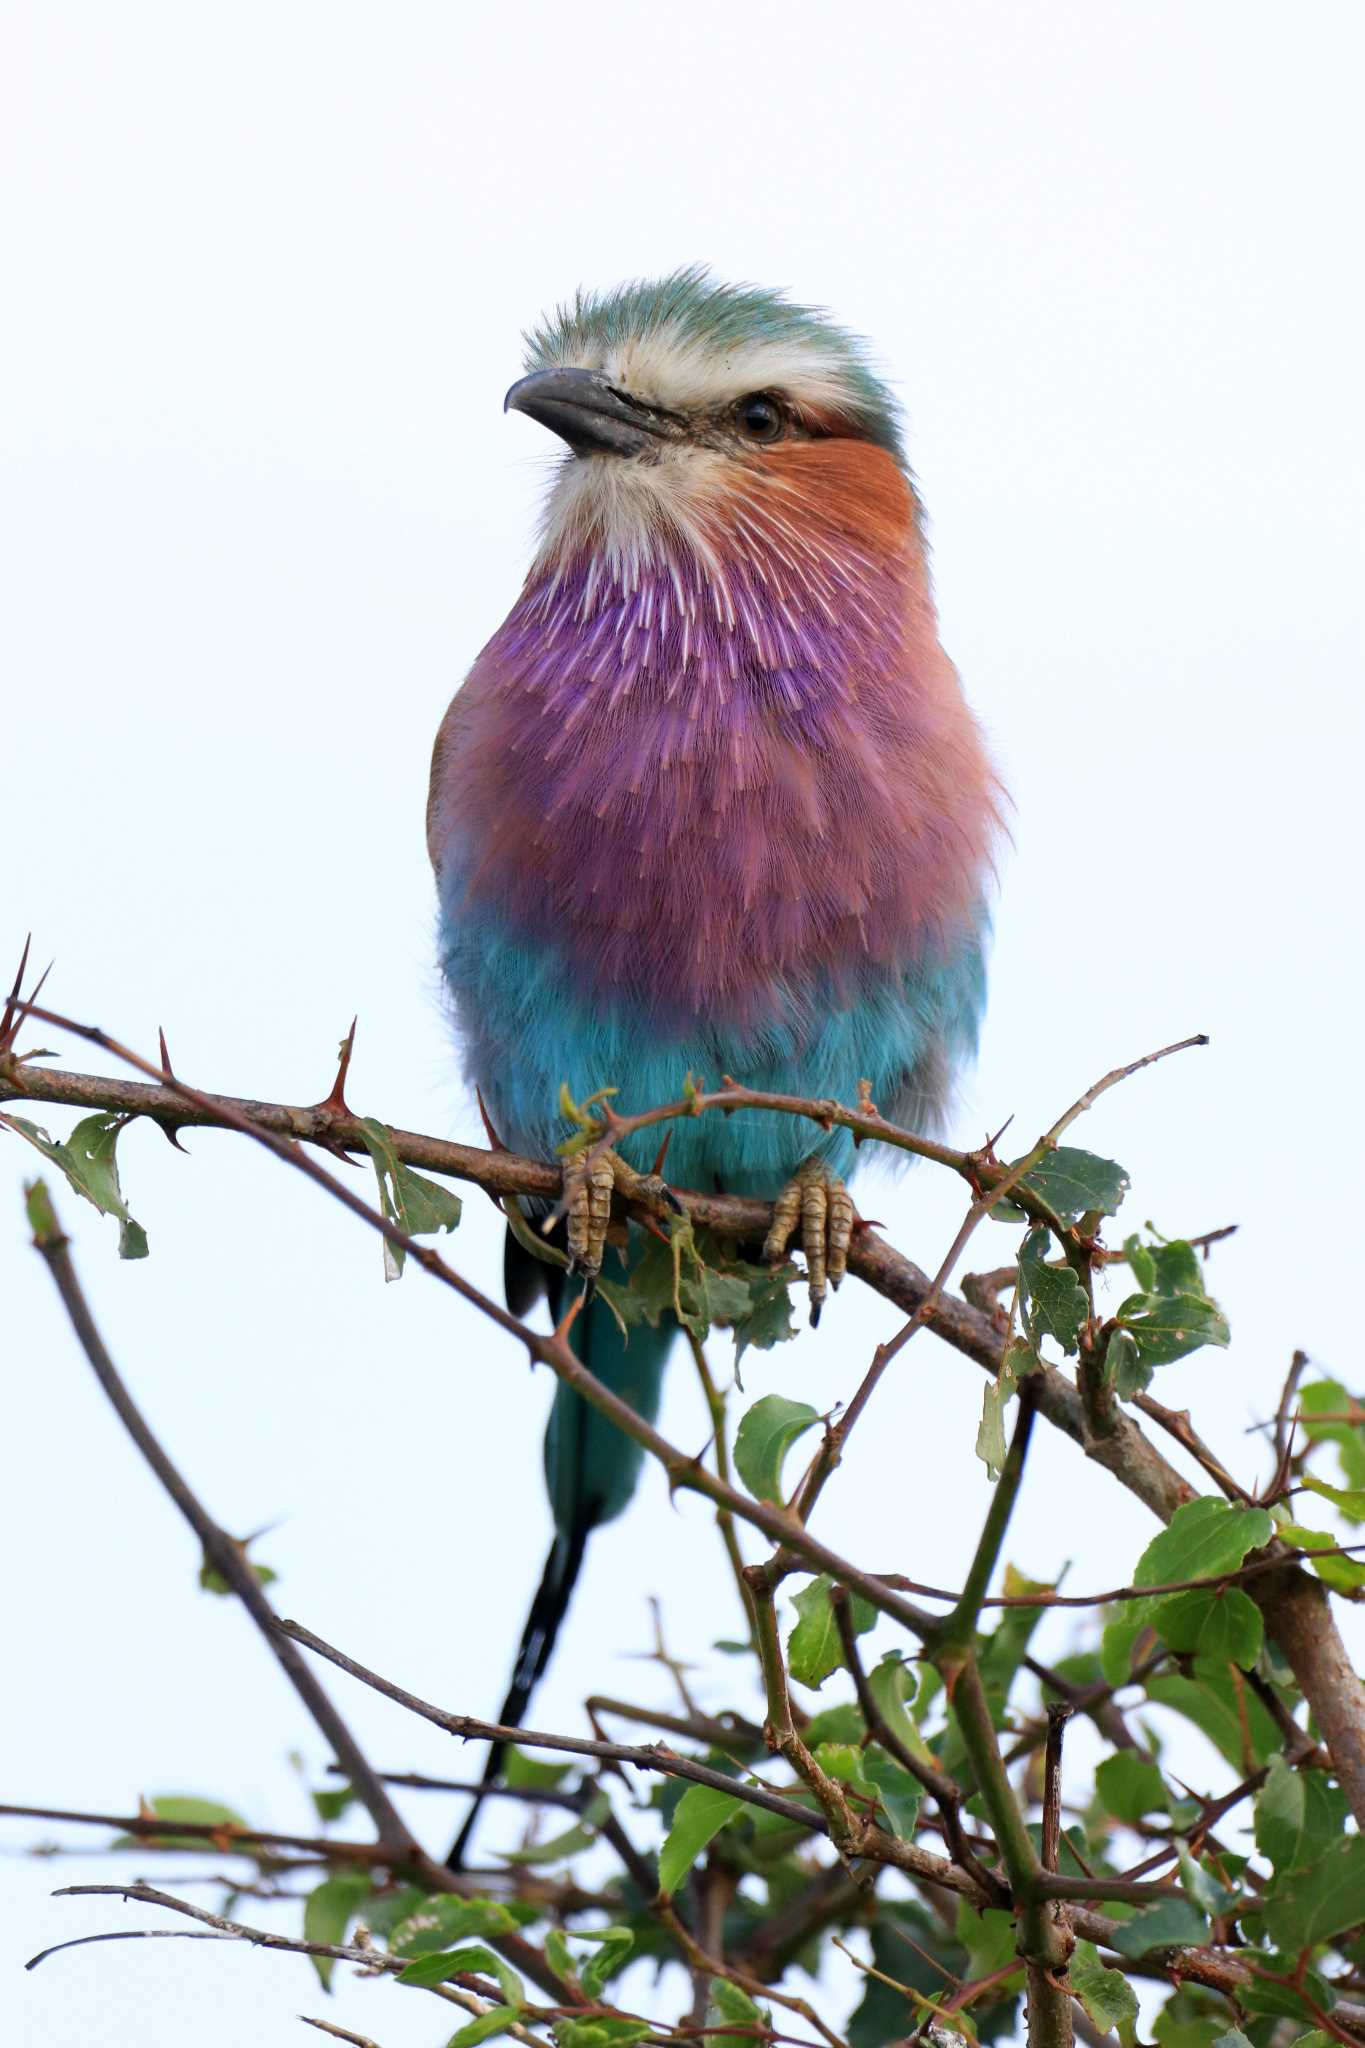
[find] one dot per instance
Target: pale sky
(265, 270)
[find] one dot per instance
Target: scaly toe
(816, 1200)
(587, 1198)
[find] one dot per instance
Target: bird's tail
(591, 1469)
(548, 1609)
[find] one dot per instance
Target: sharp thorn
(166, 1067)
(336, 1100)
(495, 1142)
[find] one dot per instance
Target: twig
(372, 1959)
(227, 1557)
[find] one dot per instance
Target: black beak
(588, 412)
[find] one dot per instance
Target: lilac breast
(709, 783)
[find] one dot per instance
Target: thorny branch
(1294, 1605)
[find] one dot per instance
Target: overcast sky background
(264, 272)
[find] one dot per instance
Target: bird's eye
(760, 417)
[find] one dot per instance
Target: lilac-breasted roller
(710, 801)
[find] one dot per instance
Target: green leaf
(608, 2032)
(1331, 1397)
(1171, 1923)
(1073, 1183)
(440, 1921)
(1200, 1885)
(1120, 1637)
(1106, 1994)
(1123, 1366)
(1312, 1905)
(330, 1803)
(419, 1206)
(1222, 1623)
(528, 1773)
(892, 1684)
(613, 1946)
(327, 1913)
(1350, 1499)
(768, 1320)
(1217, 1700)
(1203, 1539)
(1129, 1786)
(990, 1438)
(184, 1807)
(1298, 1813)
(1343, 1574)
(701, 1814)
(734, 2005)
(1052, 1301)
(841, 1723)
(991, 1939)
(496, 2019)
(569, 1842)
(898, 1793)
(456, 1962)
(765, 1435)
(844, 1761)
(87, 1158)
(1169, 1326)
(813, 1647)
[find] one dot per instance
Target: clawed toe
(588, 1191)
(816, 1200)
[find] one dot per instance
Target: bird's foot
(817, 1200)
(590, 1181)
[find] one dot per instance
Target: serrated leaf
(1106, 1994)
(435, 1969)
(765, 1434)
(1203, 1539)
(769, 1318)
(1223, 1623)
(1073, 1183)
(327, 1913)
(1052, 1301)
(702, 1812)
(813, 1647)
(88, 1159)
(1171, 1923)
(991, 1938)
(1165, 1327)
(1309, 1906)
(1129, 1786)
(419, 1206)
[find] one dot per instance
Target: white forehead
(668, 367)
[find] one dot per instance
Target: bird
(710, 802)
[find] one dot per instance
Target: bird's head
(698, 413)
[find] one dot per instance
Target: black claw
(673, 1202)
(815, 1309)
